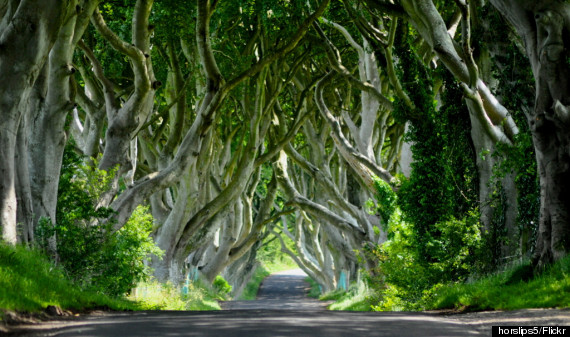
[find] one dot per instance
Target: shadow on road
(253, 323)
(281, 310)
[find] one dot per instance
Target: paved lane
(285, 290)
(254, 323)
(281, 310)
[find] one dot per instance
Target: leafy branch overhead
(357, 135)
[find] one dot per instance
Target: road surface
(281, 310)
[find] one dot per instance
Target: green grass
(516, 288)
(358, 297)
(158, 296)
(315, 289)
(29, 282)
(250, 291)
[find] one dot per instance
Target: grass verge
(358, 297)
(30, 283)
(516, 288)
(159, 296)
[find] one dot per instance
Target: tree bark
(27, 38)
(544, 28)
(124, 119)
(46, 133)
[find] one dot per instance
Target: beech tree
(239, 122)
(29, 30)
(543, 27)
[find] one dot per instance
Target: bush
(221, 285)
(89, 251)
(401, 279)
(30, 282)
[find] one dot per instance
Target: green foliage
(152, 295)
(459, 242)
(442, 180)
(271, 256)
(512, 70)
(221, 285)
(122, 261)
(386, 198)
(513, 289)
(30, 282)
(88, 250)
(435, 236)
(401, 279)
(314, 288)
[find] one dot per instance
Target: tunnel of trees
(417, 140)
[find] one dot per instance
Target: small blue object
(342, 280)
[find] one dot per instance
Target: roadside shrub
(89, 251)
(401, 279)
(221, 285)
(153, 295)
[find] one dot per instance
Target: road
(281, 310)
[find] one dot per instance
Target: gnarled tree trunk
(28, 33)
(544, 27)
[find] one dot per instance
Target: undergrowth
(358, 297)
(165, 296)
(515, 288)
(30, 282)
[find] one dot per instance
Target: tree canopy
(373, 134)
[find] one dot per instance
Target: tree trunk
(23, 188)
(544, 27)
(27, 38)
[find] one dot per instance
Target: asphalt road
(282, 309)
(253, 323)
(281, 291)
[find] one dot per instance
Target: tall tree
(28, 31)
(544, 27)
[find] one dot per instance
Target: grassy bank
(358, 297)
(29, 282)
(514, 288)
